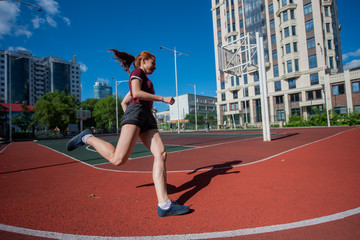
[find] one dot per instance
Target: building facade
(102, 90)
(204, 106)
(30, 77)
(302, 52)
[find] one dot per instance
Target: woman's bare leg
(125, 145)
(153, 142)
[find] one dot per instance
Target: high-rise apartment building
(102, 90)
(301, 43)
(30, 77)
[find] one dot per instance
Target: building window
(271, 9)
(286, 32)
(276, 70)
(274, 54)
(293, 29)
(307, 9)
(295, 97)
(338, 89)
(235, 94)
(355, 87)
(312, 61)
(331, 61)
(328, 29)
(288, 48)
(257, 90)
(219, 34)
(329, 45)
(311, 43)
(285, 16)
(296, 63)
(222, 84)
(223, 97)
(279, 99)
(256, 76)
(309, 25)
(292, 14)
(292, 83)
(314, 79)
(237, 81)
(340, 110)
(272, 24)
(277, 86)
(240, 11)
(223, 108)
(241, 24)
(218, 11)
(295, 111)
(273, 39)
(280, 114)
(284, 2)
(246, 92)
(218, 23)
(289, 66)
(326, 11)
(295, 46)
(245, 79)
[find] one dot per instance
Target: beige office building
(301, 42)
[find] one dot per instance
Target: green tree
(56, 109)
(105, 113)
(89, 104)
(25, 120)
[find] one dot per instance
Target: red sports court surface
(302, 185)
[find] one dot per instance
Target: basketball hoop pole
(263, 88)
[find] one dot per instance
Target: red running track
(315, 177)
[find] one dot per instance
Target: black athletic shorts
(139, 115)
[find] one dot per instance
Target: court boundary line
(209, 235)
(205, 169)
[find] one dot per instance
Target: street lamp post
(196, 126)
(325, 86)
(116, 100)
(176, 53)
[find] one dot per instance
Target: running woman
(138, 121)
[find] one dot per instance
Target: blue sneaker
(76, 141)
(175, 209)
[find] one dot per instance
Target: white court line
(222, 234)
(206, 169)
(6, 147)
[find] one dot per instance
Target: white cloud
(51, 7)
(17, 49)
(66, 20)
(37, 21)
(83, 67)
(51, 21)
(351, 54)
(22, 30)
(353, 64)
(8, 14)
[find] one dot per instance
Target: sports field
(304, 184)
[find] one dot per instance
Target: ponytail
(123, 58)
(126, 59)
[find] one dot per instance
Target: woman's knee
(119, 160)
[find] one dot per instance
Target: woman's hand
(168, 100)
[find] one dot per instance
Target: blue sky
(88, 29)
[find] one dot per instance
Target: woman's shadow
(199, 181)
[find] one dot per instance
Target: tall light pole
(176, 53)
(116, 96)
(31, 5)
(325, 86)
(196, 126)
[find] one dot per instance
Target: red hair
(126, 59)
